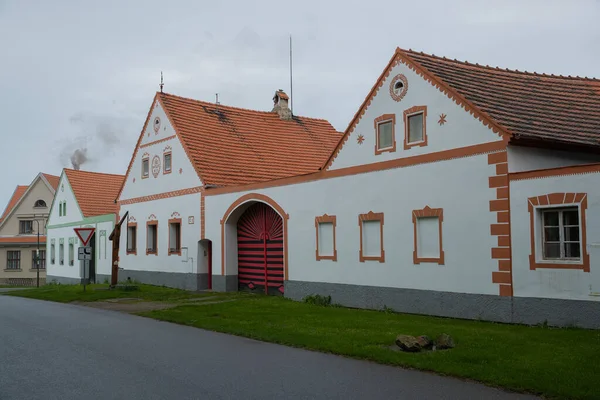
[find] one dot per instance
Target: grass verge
(556, 363)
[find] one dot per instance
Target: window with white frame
(167, 163)
(415, 128)
(52, 253)
(385, 135)
(145, 167)
(71, 254)
(132, 238)
(428, 235)
(151, 238)
(175, 236)
(371, 237)
(560, 234)
(61, 254)
(325, 226)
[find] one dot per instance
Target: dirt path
(137, 305)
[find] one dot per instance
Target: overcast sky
(83, 73)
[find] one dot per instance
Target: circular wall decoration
(156, 124)
(398, 87)
(155, 166)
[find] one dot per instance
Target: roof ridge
(206, 103)
(93, 172)
(488, 67)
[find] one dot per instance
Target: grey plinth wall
(522, 310)
(225, 283)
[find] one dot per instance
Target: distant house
(457, 190)
(83, 199)
(24, 216)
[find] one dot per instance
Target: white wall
(64, 193)
(162, 182)
(102, 256)
(187, 206)
(555, 283)
(459, 186)
(461, 129)
(529, 158)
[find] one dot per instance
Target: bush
(318, 300)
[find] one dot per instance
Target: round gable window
(156, 124)
(398, 87)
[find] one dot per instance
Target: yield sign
(84, 234)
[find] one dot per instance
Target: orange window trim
(558, 199)
(177, 251)
(326, 219)
(165, 171)
(379, 120)
(144, 160)
(371, 216)
(155, 252)
(408, 113)
(428, 212)
(132, 225)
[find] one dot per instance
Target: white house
(83, 199)
(457, 190)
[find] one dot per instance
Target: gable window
(167, 163)
(152, 237)
(60, 214)
(175, 236)
(385, 137)
(558, 231)
(52, 253)
(145, 167)
(40, 204)
(71, 254)
(325, 226)
(371, 237)
(61, 254)
(65, 208)
(428, 235)
(132, 238)
(25, 227)
(42, 259)
(415, 132)
(13, 259)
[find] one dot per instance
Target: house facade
(83, 200)
(457, 190)
(25, 215)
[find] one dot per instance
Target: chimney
(280, 105)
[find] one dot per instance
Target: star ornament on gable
(360, 139)
(442, 120)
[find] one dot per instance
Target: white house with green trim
(82, 199)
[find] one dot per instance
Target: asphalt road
(59, 351)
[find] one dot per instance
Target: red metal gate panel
(260, 250)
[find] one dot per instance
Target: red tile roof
(232, 146)
(52, 180)
(527, 105)
(22, 239)
(17, 194)
(95, 192)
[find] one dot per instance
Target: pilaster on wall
(500, 206)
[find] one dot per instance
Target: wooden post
(115, 237)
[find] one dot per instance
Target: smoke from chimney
(78, 157)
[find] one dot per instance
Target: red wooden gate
(260, 250)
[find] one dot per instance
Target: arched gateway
(254, 244)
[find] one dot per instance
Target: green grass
(557, 363)
(96, 292)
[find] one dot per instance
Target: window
(61, 254)
(385, 139)
(325, 226)
(167, 163)
(13, 260)
(371, 237)
(40, 204)
(60, 214)
(42, 259)
(132, 238)
(25, 227)
(52, 253)
(558, 231)
(428, 235)
(175, 236)
(71, 254)
(145, 167)
(65, 208)
(415, 132)
(151, 238)
(560, 234)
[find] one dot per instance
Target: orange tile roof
(17, 194)
(52, 180)
(527, 105)
(95, 192)
(232, 146)
(22, 239)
